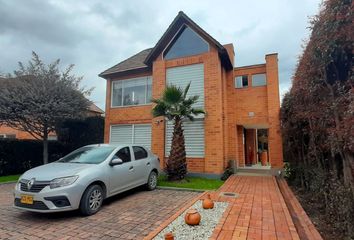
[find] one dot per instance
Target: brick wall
(227, 110)
(19, 134)
(274, 135)
(264, 105)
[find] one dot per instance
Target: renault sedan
(85, 177)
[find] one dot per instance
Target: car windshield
(89, 155)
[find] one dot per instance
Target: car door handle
(131, 168)
(148, 164)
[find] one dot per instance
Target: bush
(228, 171)
(78, 133)
(17, 156)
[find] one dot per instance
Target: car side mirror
(116, 161)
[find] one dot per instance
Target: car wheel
(91, 201)
(152, 181)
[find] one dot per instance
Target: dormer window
(185, 43)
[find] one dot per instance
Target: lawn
(191, 182)
(9, 178)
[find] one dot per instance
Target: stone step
(249, 171)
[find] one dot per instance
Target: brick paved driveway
(131, 215)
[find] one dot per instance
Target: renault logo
(30, 183)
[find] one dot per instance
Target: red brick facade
(227, 109)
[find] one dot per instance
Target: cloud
(95, 35)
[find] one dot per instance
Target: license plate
(26, 199)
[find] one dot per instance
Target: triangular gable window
(186, 43)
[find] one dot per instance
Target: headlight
(61, 182)
(18, 184)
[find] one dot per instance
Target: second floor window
(259, 80)
(136, 91)
(241, 81)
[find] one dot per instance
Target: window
(10, 136)
(139, 153)
(124, 154)
(139, 134)
(193, 137)
(52, 138)
(259, 80)
(182, 76)
(135, 91)
(241, 81)
(186, 43)
(89, 155)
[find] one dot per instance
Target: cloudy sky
(95, 35)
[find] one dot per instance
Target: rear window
(89, 154)
(139, 153)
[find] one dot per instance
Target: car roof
(114, 145)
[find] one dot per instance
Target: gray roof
(134, 62)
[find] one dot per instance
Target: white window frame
(145, 78)
(260, 85)
(242, 86)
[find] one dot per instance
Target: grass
(9, 178)
(191, 182)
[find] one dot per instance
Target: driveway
(130, 215)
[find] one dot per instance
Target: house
(241, 102)
(8, 132)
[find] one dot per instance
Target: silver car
(85, 177)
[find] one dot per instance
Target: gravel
(209, 220)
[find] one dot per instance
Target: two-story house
(241, 103)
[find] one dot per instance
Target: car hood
(55, 170)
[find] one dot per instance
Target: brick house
(12, 133)
(241, 103)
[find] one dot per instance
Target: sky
(95, 35)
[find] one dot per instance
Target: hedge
(17, 156)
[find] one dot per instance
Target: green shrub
(17, 156)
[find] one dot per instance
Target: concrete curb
(182, 189)
(9, 182)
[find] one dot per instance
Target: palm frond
(172, 95)
(197, 111)
(160, 109)
(186, 90)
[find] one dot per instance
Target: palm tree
(174, 105)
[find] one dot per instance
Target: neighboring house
(241, 103)
(8, 132)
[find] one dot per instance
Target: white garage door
(139, 134)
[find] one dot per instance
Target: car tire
(91, 200)
(152, 181)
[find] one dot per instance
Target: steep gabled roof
(142, 61)
(180, 20)
(134, 62)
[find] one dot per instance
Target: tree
(38, 96)
(80, 132)
(318, 114)
(175, 105)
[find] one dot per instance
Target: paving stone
(131, 215)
